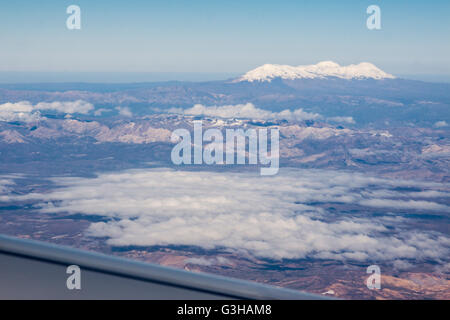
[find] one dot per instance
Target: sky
(222, 37)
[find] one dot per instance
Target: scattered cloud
(348, 120)
(402, 265)
(208, 261)
(271, 217)
(99, 112)
(20, 111)
(24, 111)
(124, 111)
(78, 106)
(245, 111)
(5, 189)
(441, 124)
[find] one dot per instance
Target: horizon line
(46, 77)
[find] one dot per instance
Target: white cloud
(99, 112)
(245, 111)
(5, 184)
(272, 217)
(402, 204)
(348, 120)
(78, 106)
(402, 265)
(124, 111)
(20, 111)
(26, 112)
(208, 262)
(441, 124)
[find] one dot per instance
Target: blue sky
(222, 36)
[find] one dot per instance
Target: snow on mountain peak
(328, 64)
(321, 70)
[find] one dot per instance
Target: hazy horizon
(23, 77)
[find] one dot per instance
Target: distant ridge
(321, 70)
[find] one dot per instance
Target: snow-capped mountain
(322, 70)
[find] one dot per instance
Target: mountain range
(362, 92)
(321, 70)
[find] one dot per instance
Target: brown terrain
(331, 278)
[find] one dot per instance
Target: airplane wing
(36, 270)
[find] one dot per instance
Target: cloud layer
(245, 111)
(26, 112)
(271, 217)
(249, 111)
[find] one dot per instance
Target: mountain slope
(322, 70)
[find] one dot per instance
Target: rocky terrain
(403, 152)
(364, 177)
